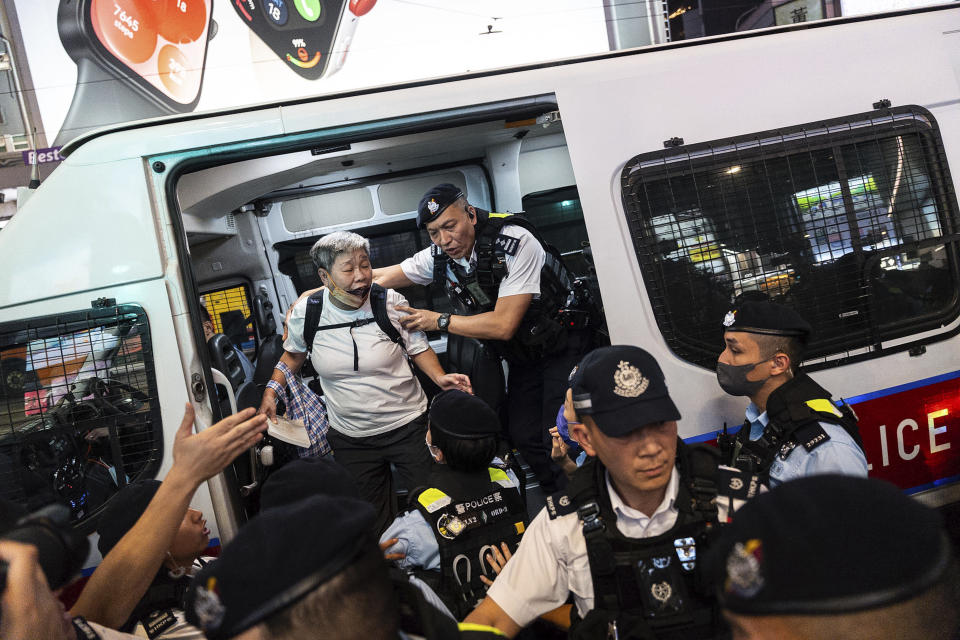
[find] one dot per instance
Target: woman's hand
(455, 381)
(268, 405)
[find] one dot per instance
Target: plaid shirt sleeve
(303, 404)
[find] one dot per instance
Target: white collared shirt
(552, 559)
(523, 268)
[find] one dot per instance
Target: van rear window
(850, 221)
(79, 416)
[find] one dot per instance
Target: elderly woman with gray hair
(375, 404)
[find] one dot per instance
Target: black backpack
(378, 303)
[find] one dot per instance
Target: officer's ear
(780, 363)
(471, 212)
(580, 432)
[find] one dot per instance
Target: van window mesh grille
(79, 416)
(852, 221)
(230, 314)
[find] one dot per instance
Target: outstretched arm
(500, 324)
(123, 577)
(428, 362)
(391, 277)
(489, 613)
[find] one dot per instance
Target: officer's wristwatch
(443, 321)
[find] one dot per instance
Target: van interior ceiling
(236, 213)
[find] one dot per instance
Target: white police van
(811, 164)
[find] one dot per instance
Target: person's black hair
(462, 454)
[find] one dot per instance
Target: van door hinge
(199, 389)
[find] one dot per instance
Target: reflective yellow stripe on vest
(434, 499)
(500, 477)
(824, 406)
(499, 215)
(473, 626)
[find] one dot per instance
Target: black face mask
(733, 379)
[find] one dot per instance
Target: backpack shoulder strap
(312, 318)
(378, 302)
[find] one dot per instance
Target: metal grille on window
(230, 313)
(852, 221)
(79, 416)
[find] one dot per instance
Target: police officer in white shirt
(625, 537)
(507, 290)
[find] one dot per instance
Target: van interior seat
(263, 316)
(271, 349)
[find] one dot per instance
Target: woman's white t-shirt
(383, 394)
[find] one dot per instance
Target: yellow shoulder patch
(499, 476)
(433, 500)
(824, 406)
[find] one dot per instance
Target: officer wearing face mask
(792, 427)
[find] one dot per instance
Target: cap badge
(208, 607)
(743, 569)
(573, 372)
(433, 206)
(661, 591)
(730, 318)
(630, 382)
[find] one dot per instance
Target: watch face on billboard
(301, 32)
(161, 42)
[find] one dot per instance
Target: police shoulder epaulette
(811, 436)
(737, 484)
(508, 244)
(560, 504)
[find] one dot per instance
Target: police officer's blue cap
(276, 559)
(435, 201)
(461, 415)
(122, 512)
(828, 544)
(768, 318)
(304, 478)
(621, 388)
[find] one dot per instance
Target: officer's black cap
(767, 318)
(461, 415)
(435, 201)
(276, 559)
(304, 478)
(827, 544)
(123, 511)
(622, 388)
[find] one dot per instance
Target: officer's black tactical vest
(652, 588)
(155, 611)
(544, 329)
(795, 411)
(421, 619)
(467, 514)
